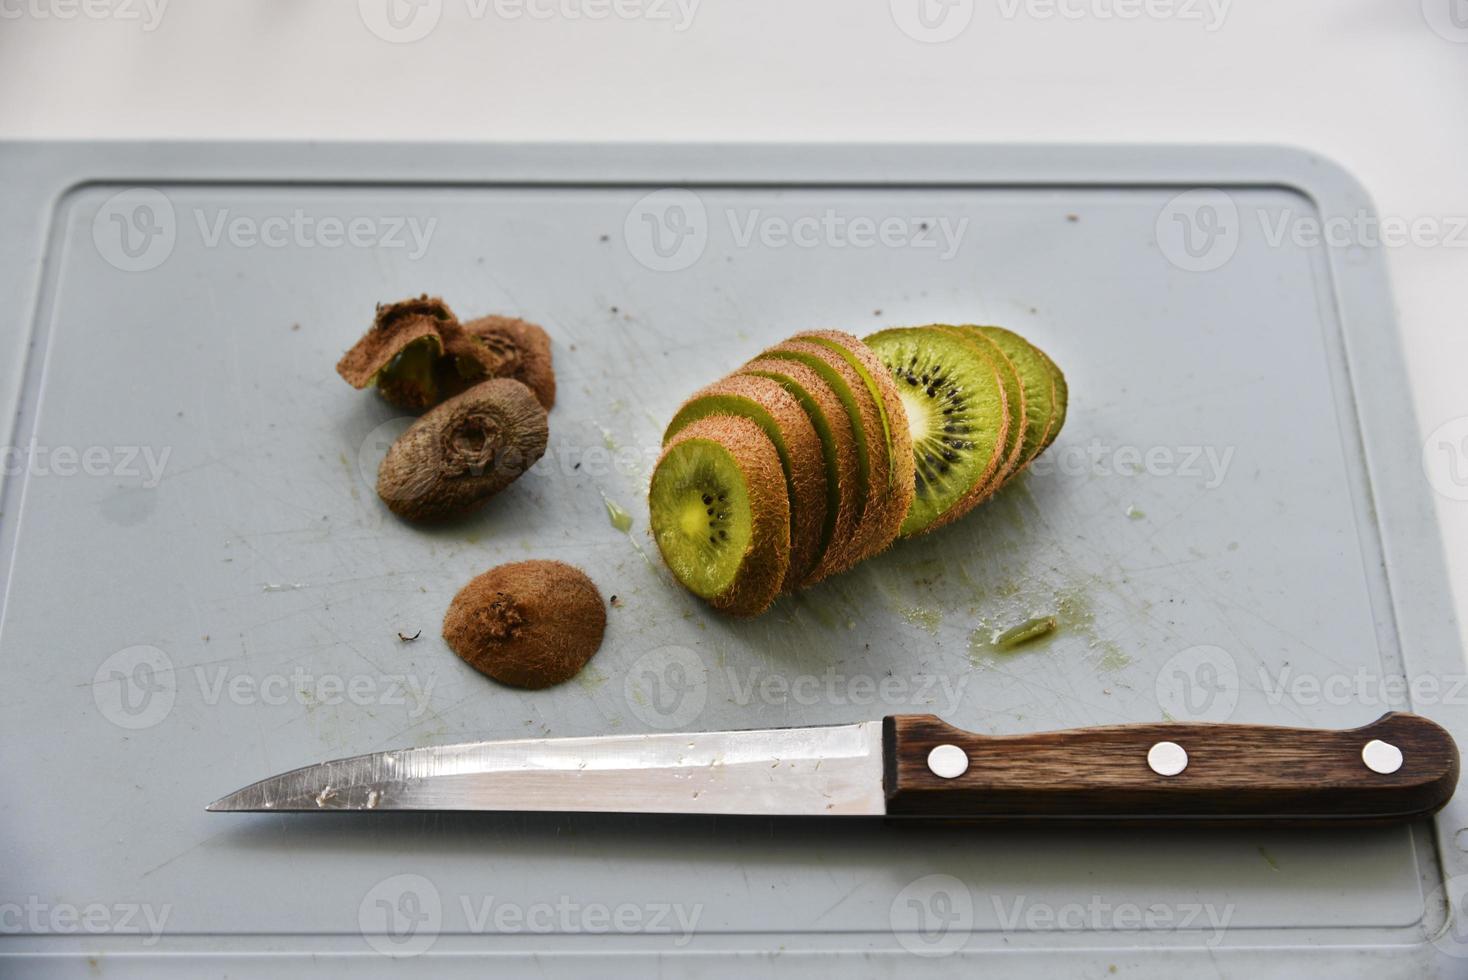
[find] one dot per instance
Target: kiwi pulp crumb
(1031, 629)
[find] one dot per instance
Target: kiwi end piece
(794, 437)
(720, 515)
(1039, 386)
(528, 624)
(534, 365)
(958, 416)
(838, 449)
(1014, 393)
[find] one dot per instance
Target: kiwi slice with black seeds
(838, 448)
(957, 413)
(794, 437)
(1014, 392)
(720, 513)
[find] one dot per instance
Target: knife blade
(1398, 768)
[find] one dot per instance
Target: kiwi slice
(1042, 398)
(776, 411)
(720, 513)
(958, 415)
(838, 449)
(1062, 400)
(1014, 392)
(880, 512)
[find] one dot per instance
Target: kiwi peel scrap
(720, 513)
(462, 452)
(529, 624)
(418, 354)
(958, 415)
(838, 447)
(1044, 411)
(881, 510)
(533, 366)
(789, 429)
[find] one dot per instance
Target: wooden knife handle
(1229, 774)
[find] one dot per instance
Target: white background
(1369, 83)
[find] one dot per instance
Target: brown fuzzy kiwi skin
(534, 367)
(529, 624)
(396, 327)
(886, 505)
(806, 472)
(462, 452)
(840, 552)
(766, 561)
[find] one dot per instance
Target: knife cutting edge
(1399, 767)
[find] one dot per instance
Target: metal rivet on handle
(1167, 758)
(948, 761)
(1381, 757)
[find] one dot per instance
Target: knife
(1397, 768)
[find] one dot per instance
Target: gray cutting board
(1235, 504)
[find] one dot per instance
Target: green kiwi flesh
(1039, 385)
(957, 412)
(720, 515)
(787, 426)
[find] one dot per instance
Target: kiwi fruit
(1014, 393)
(880, 511)
(832, 425)
(533, 366)
(1062, 400)
(1044, 402)
(958, 417)
(795, 439)
(528, 624)
(720, 513)
(462, 452)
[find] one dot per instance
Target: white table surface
(1380, 87)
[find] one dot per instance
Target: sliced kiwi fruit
(528, 624)
(766, 403)
(720, 513)
(958, 416)
(1014, 393)
(1043, 401)
(881, 511)
(1062, 399)
(838, 448)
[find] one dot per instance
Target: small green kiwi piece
(881, 511)
(720, 513)
(780, 416)
(838, 447)
(1043, 400)
(957, 413)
